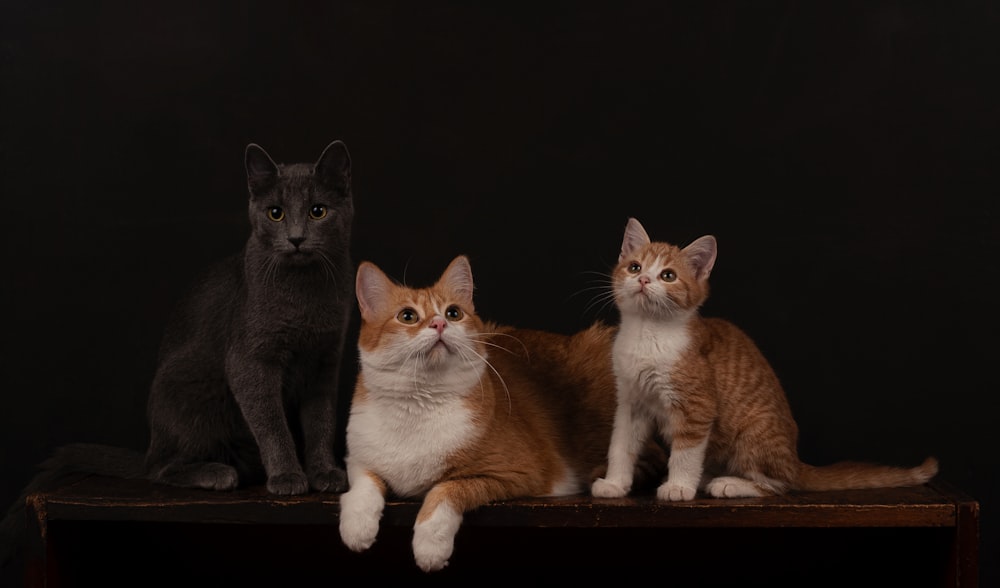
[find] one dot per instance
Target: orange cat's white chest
(408, 447)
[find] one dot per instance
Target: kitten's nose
(643, 280)
(296, 241)
(438, 323)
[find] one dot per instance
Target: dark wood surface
(926, 535)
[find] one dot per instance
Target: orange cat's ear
(701, 255)
(635, 237)
(458, 279)
(373, 288)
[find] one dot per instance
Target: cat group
(448, 407)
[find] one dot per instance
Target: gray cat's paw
(289, 483)
(208, 476)
(334, 480)
(218, 476)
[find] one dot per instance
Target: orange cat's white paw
(359, 517)
(675, 492)
(434, 538)
(602, 488)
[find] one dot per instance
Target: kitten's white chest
(645, 354)
(408, 444)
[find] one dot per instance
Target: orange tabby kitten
(463, 412)
(704, 386)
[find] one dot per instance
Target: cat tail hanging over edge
(851, 475)
(67, 463)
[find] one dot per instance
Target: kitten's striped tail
(849, 475)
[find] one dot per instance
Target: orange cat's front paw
(675, 492)
(602, 488)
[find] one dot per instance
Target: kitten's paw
(434, 539)
(334, 480)
(732, 487)
(602, 488)
(288, 483)
(359, 517)
(675, 492)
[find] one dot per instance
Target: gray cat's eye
(276, 213)
(317, 212)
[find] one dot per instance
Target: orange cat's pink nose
(438, 323)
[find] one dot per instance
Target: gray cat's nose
(296, 241)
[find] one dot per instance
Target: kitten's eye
(276, 214)
(454, 313)
(668, 275)
(408, 316)
(317, 211)
(634, 267)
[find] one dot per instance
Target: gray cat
(245, 390)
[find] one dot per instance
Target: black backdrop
(844, 155)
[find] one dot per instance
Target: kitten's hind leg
(208, 475)
(736, 487)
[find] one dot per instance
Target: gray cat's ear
(701, 254)
(261, 169)
(372, 287)
(635, 237)
(334, 166)
(458, 278)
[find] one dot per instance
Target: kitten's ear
(701, 254)
(457, 277)
(635, 237)
(261, 169)
(334, 166)
(373, 288)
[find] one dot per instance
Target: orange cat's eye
(454, 313)
(317, 211)
(668, 275)
(408, 316)
(634, 267)
(276, 213)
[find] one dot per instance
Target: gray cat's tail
(66, 464)
(854, 475)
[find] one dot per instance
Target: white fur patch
(685, 466)
(410, 423)
(644, 355)
(434, 538)
(360, 511)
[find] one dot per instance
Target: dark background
(843, 154)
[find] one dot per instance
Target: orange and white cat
(706, 389)
(462, 412)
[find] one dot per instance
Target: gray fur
(245, 389)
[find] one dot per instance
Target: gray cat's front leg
(318, 416)
(257, 388)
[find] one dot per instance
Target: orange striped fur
(703, 386)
